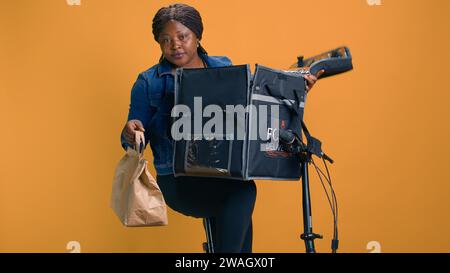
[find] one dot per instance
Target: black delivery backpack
(250, 109)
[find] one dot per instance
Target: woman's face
(179, 44)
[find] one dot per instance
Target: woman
(229, 204)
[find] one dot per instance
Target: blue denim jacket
(152, 99)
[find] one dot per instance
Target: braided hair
(183, 14)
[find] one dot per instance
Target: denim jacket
(152, 100)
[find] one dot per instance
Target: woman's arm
(139, 113)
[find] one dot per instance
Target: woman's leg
(234, 221)
(228, 203)
(247, 246)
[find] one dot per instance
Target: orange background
(65, 78)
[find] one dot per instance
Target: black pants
(228, 203)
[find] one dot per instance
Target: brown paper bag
(136, 198)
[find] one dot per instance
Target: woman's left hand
(312, 79)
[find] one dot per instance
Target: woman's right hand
(130, 129)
